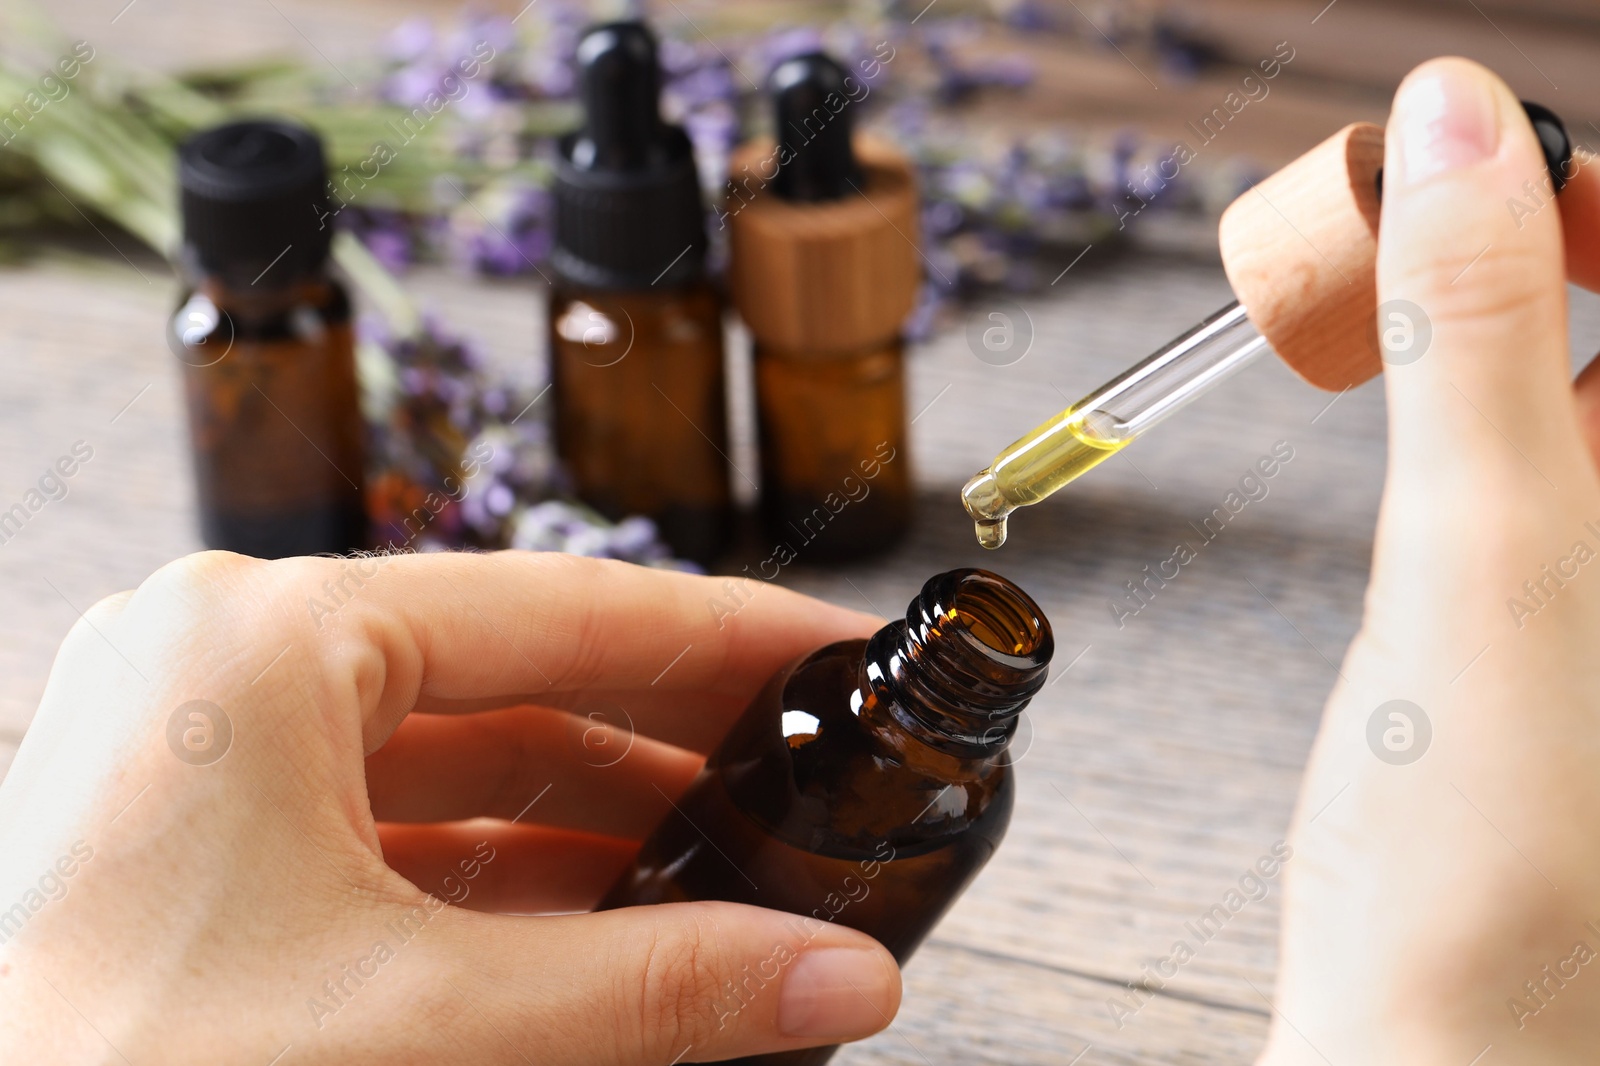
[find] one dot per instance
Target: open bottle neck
(954, 675)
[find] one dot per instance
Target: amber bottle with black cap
(264, 340)
(635, 328)
(824, 270)
(866, 783)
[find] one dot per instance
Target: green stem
(376, 284)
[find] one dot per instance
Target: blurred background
(1163, 761)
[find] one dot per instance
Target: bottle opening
(972, 651)
(1001, 618)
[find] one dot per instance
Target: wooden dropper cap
(825, 277)
(823, 223)
(1300, 250)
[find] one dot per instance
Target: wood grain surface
(1159, 764)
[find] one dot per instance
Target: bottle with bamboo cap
(824, 271)
(635, 327)
(264, 338)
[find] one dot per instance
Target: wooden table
(1159, 764)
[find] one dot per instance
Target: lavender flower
(996, 213)
(961, 78)
(389, 235)
(505, 231)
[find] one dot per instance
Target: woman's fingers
(680, 982)
(1579, 206)
(499, 867)
(1489, 396)
(528, 764)
(1586, 391)
(467, 626)
(692, 720)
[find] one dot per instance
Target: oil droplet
(991, 532)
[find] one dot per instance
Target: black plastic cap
(628, 213)
(813, 125)
(255, 202)
(1553, 142)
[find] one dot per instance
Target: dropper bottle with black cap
(635, 328)
(264, 339)
(824, 271)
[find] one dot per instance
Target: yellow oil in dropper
(1070, 444)
(1321, 309)
(1055, 452)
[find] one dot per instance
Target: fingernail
(836, 994)
(1447, 119)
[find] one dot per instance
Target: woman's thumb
(1471, 289)
(678, 982)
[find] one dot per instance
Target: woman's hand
(1443, 901)
(234, 826)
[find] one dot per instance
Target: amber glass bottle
(264, 340)
(635, 328)
(835, 474)
(643, 431)
(868, 782)
(824, 271)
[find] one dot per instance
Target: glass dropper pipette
(1089, 432)
(1319, 313)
